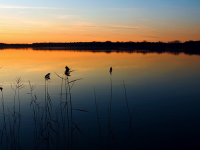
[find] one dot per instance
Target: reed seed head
(110, 70)
(67, 71)
(67, 68)
(47, 76)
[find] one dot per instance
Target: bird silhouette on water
(1, 89)
(110, 70)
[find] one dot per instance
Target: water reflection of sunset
(33, 65)
(160, 87)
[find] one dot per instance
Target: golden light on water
(33, 65)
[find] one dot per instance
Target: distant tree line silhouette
(174, 45)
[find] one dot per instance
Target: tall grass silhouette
(66, 110)
(10, 133)
(54, 126)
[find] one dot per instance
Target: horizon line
(177, 41)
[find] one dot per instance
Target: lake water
(159, 93)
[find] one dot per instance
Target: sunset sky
(23, 21)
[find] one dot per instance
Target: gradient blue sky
(23, 21)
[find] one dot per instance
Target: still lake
(161, 97)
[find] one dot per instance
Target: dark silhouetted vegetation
(175, 47)
(114, 45)
(55, 126)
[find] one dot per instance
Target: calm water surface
(162, 93)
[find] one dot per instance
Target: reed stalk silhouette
(66, 108)
(130, 119)
(4, 132)
(55, 127)
(38, 112)
(16, 115)
(10, 133)
(97, 112)
(109, 109)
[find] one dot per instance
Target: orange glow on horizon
(33, 65)
(52, 33)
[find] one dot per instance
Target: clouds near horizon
(72, 21)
